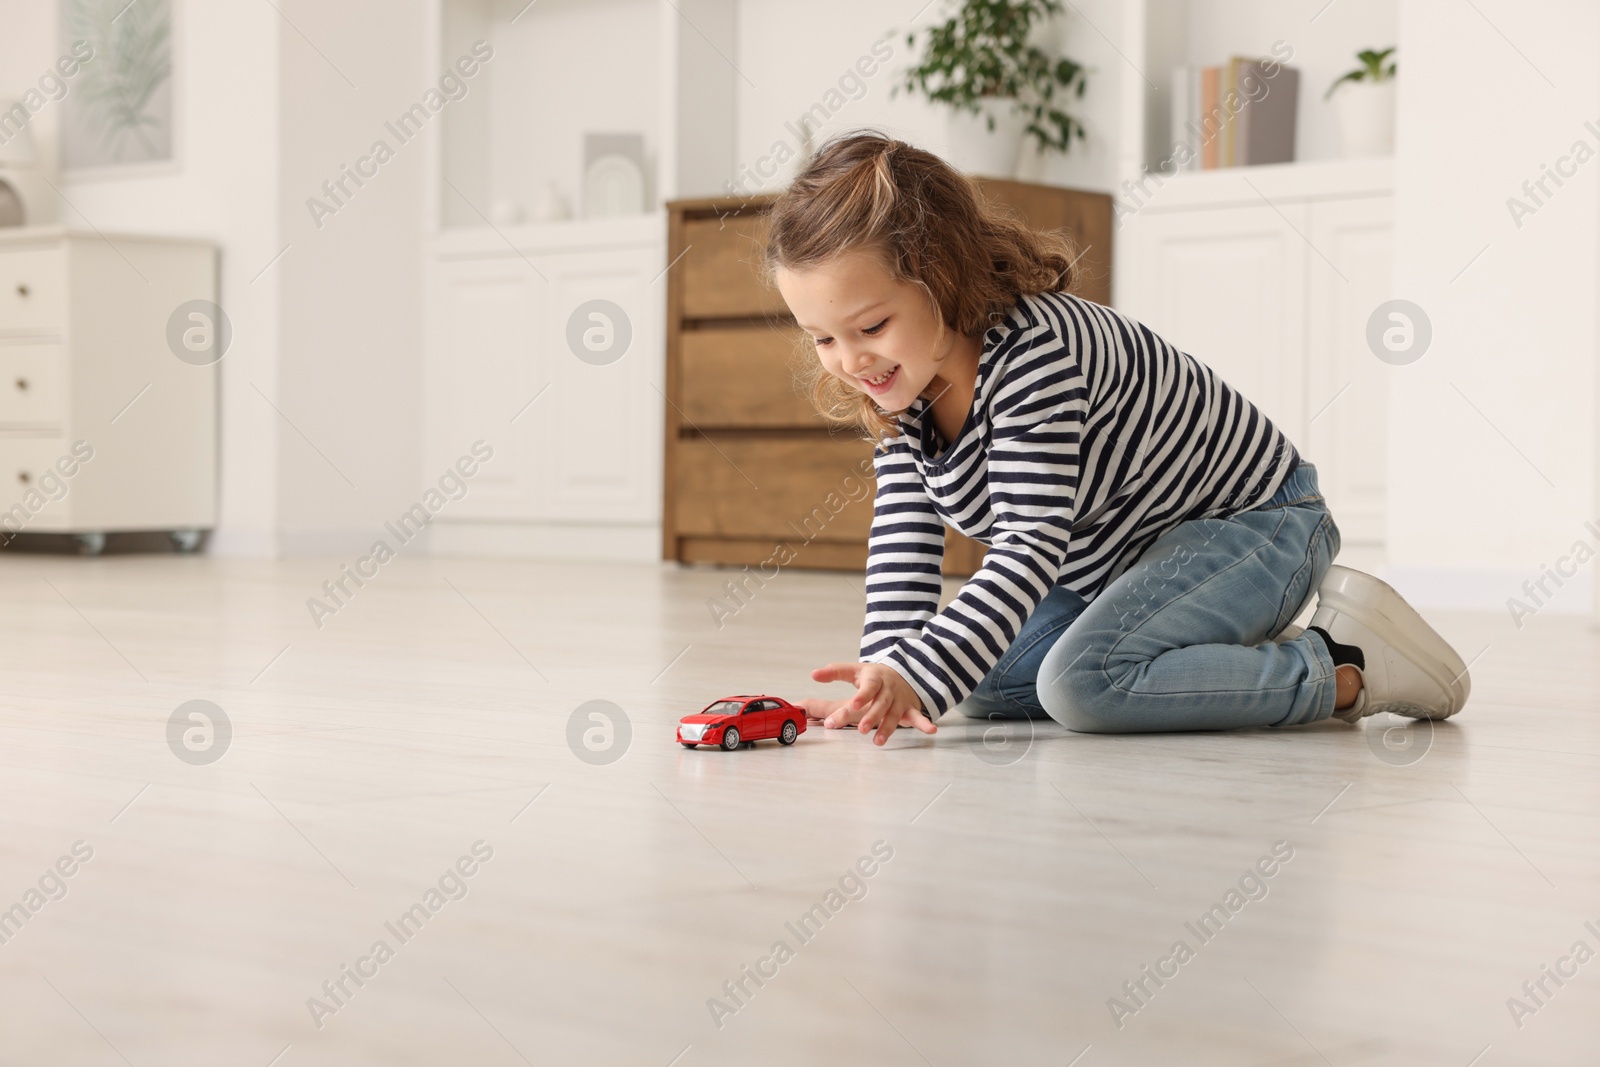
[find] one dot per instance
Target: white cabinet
(1347, 386)
(1268, 275)
(601, 438)
(480, 371)
(103, 427)
(522, 340)
(1228, 286)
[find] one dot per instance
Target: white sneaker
(1410, 669)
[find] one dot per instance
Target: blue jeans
(1183, 639)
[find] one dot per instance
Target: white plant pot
(1366, 117)
(975, 149)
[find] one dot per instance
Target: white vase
(549, 205)
(975, 149)
(505, 212)
(1366, 117)
(37, 199)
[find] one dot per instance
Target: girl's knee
(1080, 694)
(993, 701)
(978, 706)
(1088, 705)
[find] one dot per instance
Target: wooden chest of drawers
(752, 474)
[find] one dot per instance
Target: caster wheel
(91, 544)
(186, 541)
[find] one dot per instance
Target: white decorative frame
(176, 83)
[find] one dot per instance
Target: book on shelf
(1206, 124)
(1234, 101)
(1185, 106)
(1265, 128)
(1236, 114)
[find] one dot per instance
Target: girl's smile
(883, 336)
(880, 384)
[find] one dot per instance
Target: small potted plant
(999, 85)
(1365, 104)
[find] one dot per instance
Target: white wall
(1493, 458)
(223, 189)
(350, 320)
(697, 110)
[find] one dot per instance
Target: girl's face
(873, 332)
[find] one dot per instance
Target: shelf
(558, 236)
(55, 231)
(1231, 186)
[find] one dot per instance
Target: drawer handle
(22, 384)
(22, 290)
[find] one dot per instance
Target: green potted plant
(1000, 86)
(1364, 98)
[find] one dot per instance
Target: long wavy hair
(930, 226)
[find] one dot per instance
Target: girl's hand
(823, 709)
(837, 714)
(883, 700)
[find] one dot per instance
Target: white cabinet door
(577, 437)
(1347, 385)
(480, 369)
(1228, 286)
(598, 432)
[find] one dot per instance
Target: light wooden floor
(1027, 884)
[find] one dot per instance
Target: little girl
(1151, 534)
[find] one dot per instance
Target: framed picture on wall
(118, 117)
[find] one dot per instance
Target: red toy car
(743, 719)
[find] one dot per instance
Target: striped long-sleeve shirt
(1089, 437)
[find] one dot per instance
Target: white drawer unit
(103, 428)
(30, 386)
(33, 289)
(27, 465)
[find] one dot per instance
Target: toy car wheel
(688, 744)
(730, 738)
(789, 733)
